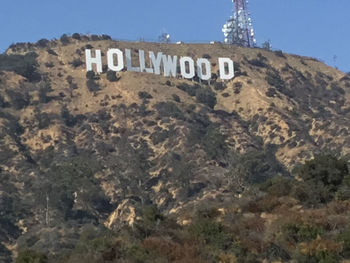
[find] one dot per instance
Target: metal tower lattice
(238, 30)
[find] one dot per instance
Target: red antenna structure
(238, 30)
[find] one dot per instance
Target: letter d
(226, 68)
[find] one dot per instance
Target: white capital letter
(90, 60)
(143, 63)
(200, 63)
(184, 73)
(170, 65)
(129, 63)
(229, 73)
(110, 58)
(155, 61)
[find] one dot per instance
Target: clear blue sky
(318, 28)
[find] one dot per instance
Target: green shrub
(175, 98)
(219, 85)
(76, 36)
(279, 53)
(296, 233)
(43, 119)
(257, 63)
(206, 96)
(214, 143)
(18, 100)
(323, 177)
(345, 237)
(112, 76)
(30, 256)
(144, 95)
(24, 65)
(44, 88)
(76, 62)
(211, 233)
(169, 109)
(92, 85)
(258, 166)
(90, 75)
(68, 119)
(3, 104)
(189, 89)
(43, 42)
(274, 79)
(51, 52)
(271, 92)
(64, 39)
(277, 186)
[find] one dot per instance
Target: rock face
(95, 151)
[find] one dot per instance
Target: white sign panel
(159, 64)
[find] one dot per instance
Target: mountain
(85, 154)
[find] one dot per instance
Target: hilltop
(81, 149)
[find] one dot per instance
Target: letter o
(190, 62)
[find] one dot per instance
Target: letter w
(170, 65)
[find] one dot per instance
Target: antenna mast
(238, 30)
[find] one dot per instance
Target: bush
(49, 64)
(76, 62)
(296, 233)
(106, 37)
(18, 100)
(279, 53)
(258, 166)
(214, 143)
(112, 76)
(90, 75)
(94, 37)
(207, 56)
(3, 104)
(43, 42)
(211, 233)
(189, 89)
(43, 90)
(42, 118)
(169, 109)
(175, 98)
(271, 92)
(92, 85)
(24, 65)
(76, 36)
(274, 79)
(51, 52)
(257, 63)
(64, 39)
(323, 177)
(68, 119)
(144, 95)
(30, 256)
(277, 186)
(206, 96)
(219, 86)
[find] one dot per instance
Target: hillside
(80, 151)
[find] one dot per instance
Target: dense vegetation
(318, 235)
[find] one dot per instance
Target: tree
(323, 176)
(64, 39)
(206, 96)
(267, 45)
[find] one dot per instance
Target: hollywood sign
(159, 63)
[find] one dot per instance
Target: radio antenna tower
(238, 30)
